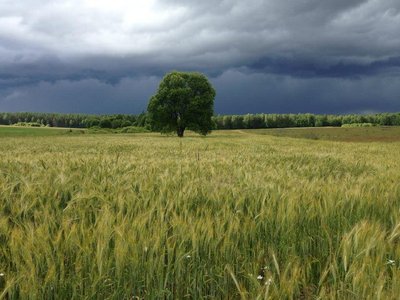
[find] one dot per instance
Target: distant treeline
(253, 121)
(249, 121)
(73, 120)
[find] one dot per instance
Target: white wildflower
(390, 262)
(1, 274)
(260, 277)
(269, 281)
(188, 256)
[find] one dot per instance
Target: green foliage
(238, 215)
(92, 121)
(128, 129)
(142, 120)
(68, 120)
(255, 121)
(184, 100)
(249, 121)
(133, 129)
(105, 123)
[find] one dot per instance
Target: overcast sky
(271, 56)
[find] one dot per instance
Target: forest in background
(248, 121)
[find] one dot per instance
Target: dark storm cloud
(286, 56)
(270, 93)
(314, 68)
(81, 96)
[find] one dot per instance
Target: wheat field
(235, 215)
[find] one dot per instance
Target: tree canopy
(184, 100)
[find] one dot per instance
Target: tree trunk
(180, 131)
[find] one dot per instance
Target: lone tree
(184, 100)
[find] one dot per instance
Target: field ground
(15, 131)
(358, 134)
(238, 214)
(366, 134)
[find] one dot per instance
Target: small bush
(358, 125)
(133, 129)
(28, 124)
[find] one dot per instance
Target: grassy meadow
(355, 134)
(19, 131)
(235, 215)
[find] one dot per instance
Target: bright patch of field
(227, 216)
(14, 131)
(360, 134)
